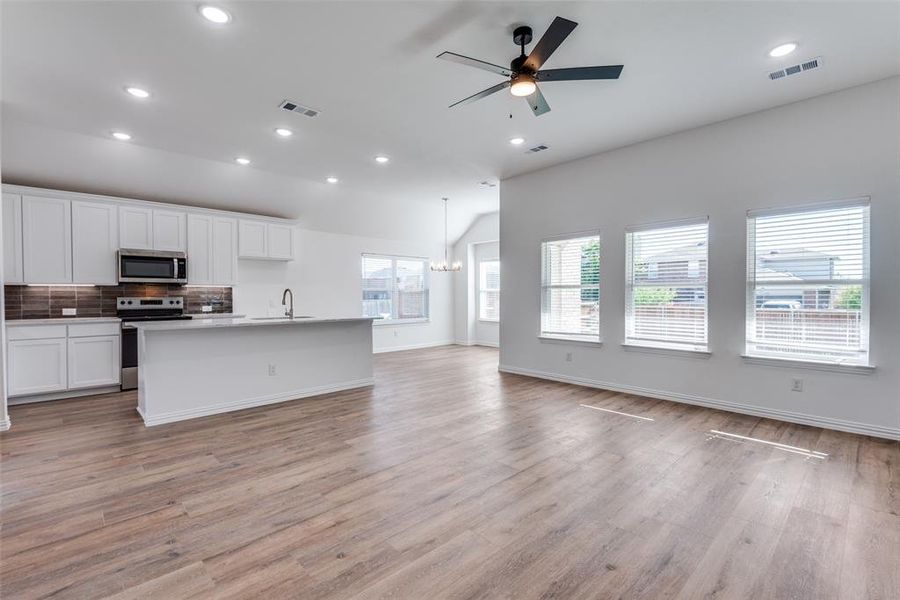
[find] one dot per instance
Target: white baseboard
(205, 411)
(890, 433)
(63, 395)
(5, 424)
(413, 347)
(476, 343)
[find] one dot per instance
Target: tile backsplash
(47, 301)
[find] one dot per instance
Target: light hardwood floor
(446, 480)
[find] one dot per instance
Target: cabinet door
(95, 239)
(169, 230)
(36, 366)
(93, 361)
(281, 242)
(12, 238)
(224, 251)
(135, 228)
(252, 240)
(200, 256)
(47, 240)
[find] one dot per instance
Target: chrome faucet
(290, 311)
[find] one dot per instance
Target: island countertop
(222, 323)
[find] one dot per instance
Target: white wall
(485, 228)
(841, 145)
(326, 281)
(4, 415)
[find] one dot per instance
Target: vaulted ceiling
(370, 68)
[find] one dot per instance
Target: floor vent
(813, 63)
(540, 148)
(298, 108)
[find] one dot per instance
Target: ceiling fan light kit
(524, 72)
(445, 265)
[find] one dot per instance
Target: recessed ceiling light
(284, 132)
(782, 50)
(382, 159)
(517, 141)
(242, 161)
(121, 135)
(138, 92)
(215, 14)
(331, 179)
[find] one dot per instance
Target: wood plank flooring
(445, 480)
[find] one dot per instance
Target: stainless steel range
(134, 309)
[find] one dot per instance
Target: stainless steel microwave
(152, 266)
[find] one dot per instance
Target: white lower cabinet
(37, 366)
(50, 358)
(93, 361)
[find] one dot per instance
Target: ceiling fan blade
(580, 73)
(537, 102)
(482, 94)
(474, 62)
(555, 35)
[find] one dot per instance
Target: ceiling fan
(525, 72)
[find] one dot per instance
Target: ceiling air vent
(298, 108)
(487, 184)
(813, 63)
(540, 148)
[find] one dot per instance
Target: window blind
(570, 287)
(666, 285)
(394, 287)
(808, 283)
(489, 290)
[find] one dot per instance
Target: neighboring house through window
(666, 285)
(808, 283)
(394, 288)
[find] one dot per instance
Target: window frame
(662, 345)
(800, 359)
(570, 337)
(481, 290)
(426, 270)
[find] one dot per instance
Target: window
(394, 287)
(570, 288)
(808, 283)
(489, 290)
(665, 285)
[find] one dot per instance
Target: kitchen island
(203, 367)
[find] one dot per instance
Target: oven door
(136, 266)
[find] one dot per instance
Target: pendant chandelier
(445, 265)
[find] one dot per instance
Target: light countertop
(61, 321)
(215, 315)
(197, 324)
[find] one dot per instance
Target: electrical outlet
(396, 333)
(568, 357)
(272, 371)
(206, 308)
(796, 384)
(70, 312)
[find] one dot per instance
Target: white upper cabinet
(135, 228)
(224, 251)
(212, 250)
(252, 239)
(169, 230)
(199, 253)
(47, 240)
(12, 239)
(259, 239)
(95, 240)
(281, 241)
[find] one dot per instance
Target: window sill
(489, 321)
(389, 322)
(666, 350)
(563, 339)
(794, 363)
